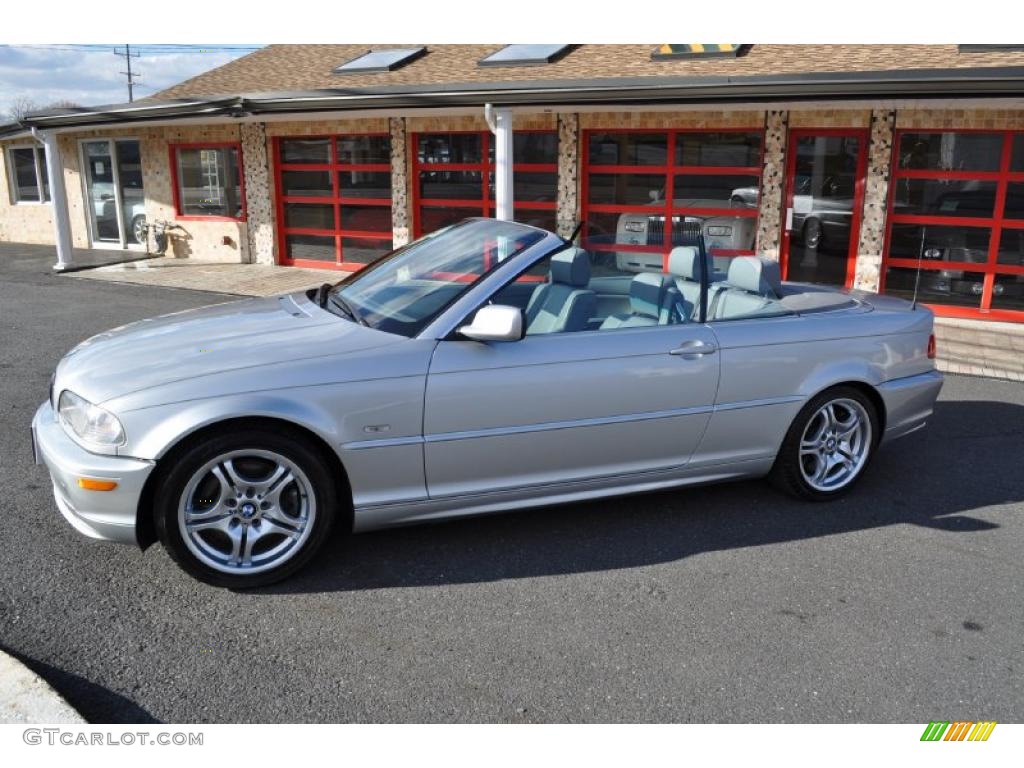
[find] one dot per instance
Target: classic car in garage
(485, 367)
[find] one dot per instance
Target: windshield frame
(545, 243)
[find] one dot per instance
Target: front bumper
(909, 402)
(106, 515)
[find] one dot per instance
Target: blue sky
(91, 74)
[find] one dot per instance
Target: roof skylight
(695, 50)
(517, 55)
(387, 60)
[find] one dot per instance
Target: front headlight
(90, 422)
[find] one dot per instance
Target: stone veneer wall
(773, 174)
(871, 241)
(401, 216)
(568, 174)
(258, 207)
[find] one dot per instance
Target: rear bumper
(108, 515)
(909, 402)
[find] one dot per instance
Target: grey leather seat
(685, 267)
(647, 303)
(751, 289)
(563, 303)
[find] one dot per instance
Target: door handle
(691, 350)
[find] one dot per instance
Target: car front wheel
(246, 509)
(828, 445)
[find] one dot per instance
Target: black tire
(138, 228)
(788, 472)
(175, 481)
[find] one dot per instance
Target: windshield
(403, 292)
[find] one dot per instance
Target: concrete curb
(26, 698)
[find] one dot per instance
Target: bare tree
(63, 104)
(20, 107)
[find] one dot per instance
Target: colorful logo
(958, 731)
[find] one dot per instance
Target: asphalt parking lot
(901, 603)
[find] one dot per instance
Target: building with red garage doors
(851, 164)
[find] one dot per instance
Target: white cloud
(93, 76)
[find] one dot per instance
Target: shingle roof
(309, 67)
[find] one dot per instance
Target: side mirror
(496, 322)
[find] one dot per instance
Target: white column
(502, 129)
(58, 199)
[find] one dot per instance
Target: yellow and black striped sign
(679, 50)
(958, 731)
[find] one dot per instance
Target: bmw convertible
(486, 367)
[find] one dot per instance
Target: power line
(145, 49)
(128, 56)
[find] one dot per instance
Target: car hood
(201, 342)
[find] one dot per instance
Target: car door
(564, 407)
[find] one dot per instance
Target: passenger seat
(564, 303)
(647, 304)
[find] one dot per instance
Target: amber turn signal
(90, 484)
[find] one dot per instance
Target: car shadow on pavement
(967, 458)
(92, 701)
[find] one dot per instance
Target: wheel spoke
(219, 522)
(278, 525)
(236, 533)
(273, 493)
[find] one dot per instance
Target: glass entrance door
(824, 198)
(114, 199)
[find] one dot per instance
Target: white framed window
(26, 174)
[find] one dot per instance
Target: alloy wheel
(835, 444)
(246, 511)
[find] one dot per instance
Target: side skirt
(373, 517)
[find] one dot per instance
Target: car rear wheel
(246, 509)
(138, 228)
(828, 445)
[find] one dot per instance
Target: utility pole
(128, 56)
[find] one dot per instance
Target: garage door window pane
(449, 148)
(366, 218)
(451, 185)
(308, 216)
(716, 191)
(1008, 292)
(1017, 157)
(310, 247)
(945, 197)
(538, 148)
(740, 150)
(626, 188)
(940, 243)
(355, 150)
(306, 150)
(950, 151)
(434, 218)
(306, 183)
(1014, 201)
(364, 184)
(937, 286)
(360, 251)
(533, 187)
(628, 149)
(1011, 248)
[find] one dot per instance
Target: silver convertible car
(489, 366)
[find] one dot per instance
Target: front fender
(154, 431)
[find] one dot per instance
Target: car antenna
(917, 275)
(576, 232)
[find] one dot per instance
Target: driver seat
(564, 303)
